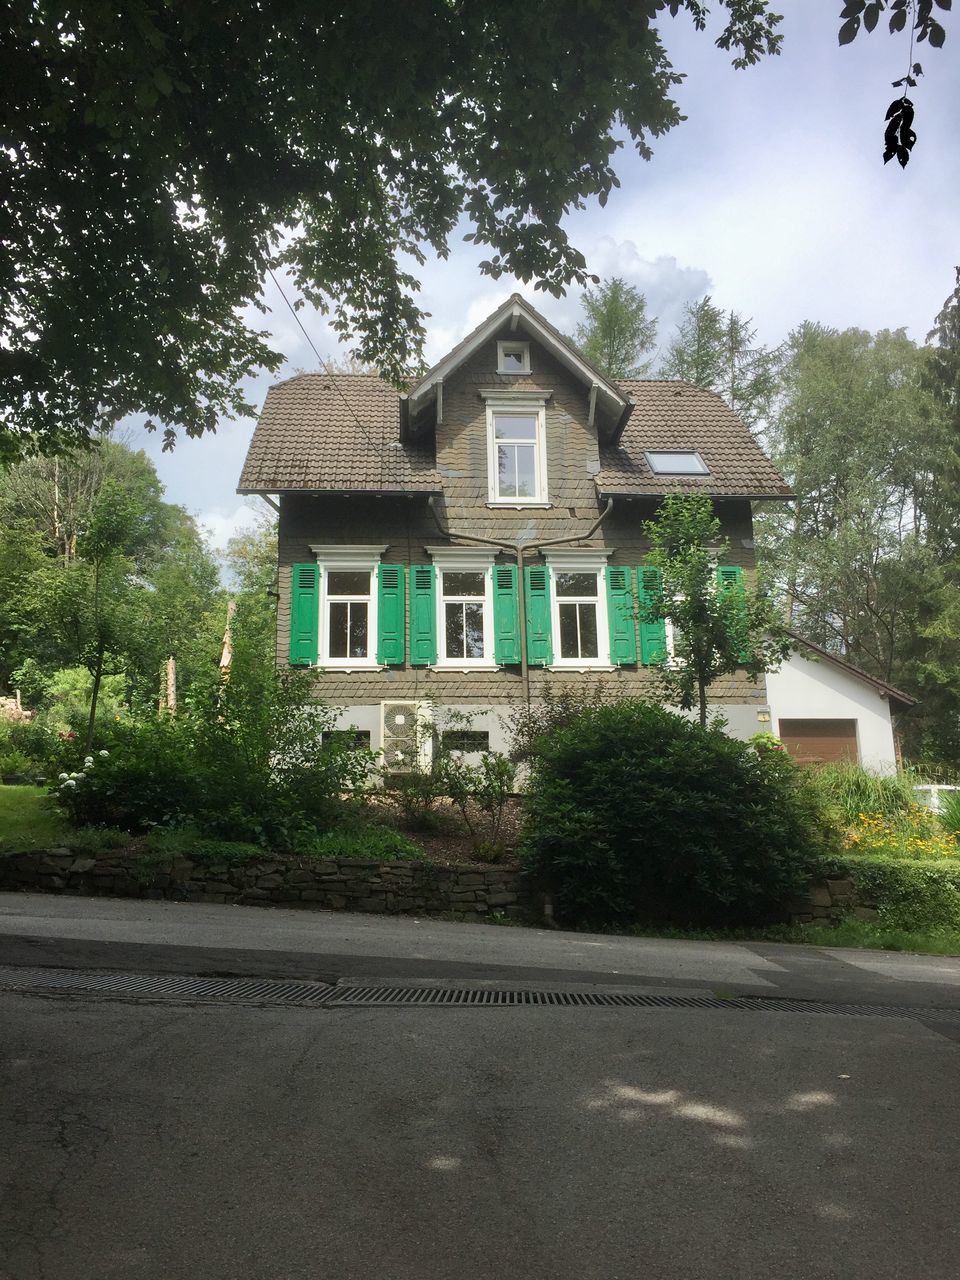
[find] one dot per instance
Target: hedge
(909, 894)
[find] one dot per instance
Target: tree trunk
(97, 676)
(702, 692)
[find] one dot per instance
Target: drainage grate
(262, 991)
(164, 986)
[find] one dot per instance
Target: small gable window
(676, 462)
(513, 357)
(516, 448)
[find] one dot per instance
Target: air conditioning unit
(407, 738)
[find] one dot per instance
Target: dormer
(521, 333)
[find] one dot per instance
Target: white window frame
(506, 348)
(465, 560)
(650, 454)
(530, 404)
(580, 560)
(358, 558)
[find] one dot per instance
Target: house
(824, 708)
(477, 539)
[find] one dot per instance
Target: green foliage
(369, 150)
(635, 813)
(849, 790)
(717, 350)
(913, 894)
(365, 844)
(14, 762)
(188, 842)
(529, 724)
(480, 792)
(715, 631)
(247, 762)
(96, 839)
(28, 820)
(950, 811)
(866, 557)
(617, 334)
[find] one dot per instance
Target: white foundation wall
(742, 721)
(807, 689)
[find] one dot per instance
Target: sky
(771, 196)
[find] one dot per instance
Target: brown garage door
(819, 741)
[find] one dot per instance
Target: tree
(617, 333)
(866, 435)
(159, 160)
(717, 349)
(720, 624)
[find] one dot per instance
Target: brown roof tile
(678, 415)
(320, 433)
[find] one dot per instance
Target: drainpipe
(520, 550)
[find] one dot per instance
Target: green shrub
(15, 762)
(373, 844)
(635, 813)
(849, 790)
(96, 839)
(950, 812)
(910, 894)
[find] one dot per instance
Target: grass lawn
(28, 819)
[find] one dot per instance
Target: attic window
(513, 357)
(676, 462)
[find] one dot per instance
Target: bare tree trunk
(171, 683)
(702, 692)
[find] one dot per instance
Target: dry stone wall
(466, 891)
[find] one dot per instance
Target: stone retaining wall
(825, 901)
(463, 892)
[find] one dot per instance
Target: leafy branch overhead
(899, 135)
(158, 158)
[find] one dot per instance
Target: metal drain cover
(164, 986)
(187, 989)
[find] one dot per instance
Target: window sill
(572, 664)
(465, 670)
(345, 669)
(511, 505)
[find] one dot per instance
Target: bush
(850, 790)
(913, 894)
(238, 768)
(634, 813)
(915, 833)
(373, 844)
(950, 812)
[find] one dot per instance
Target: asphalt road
(176, 1141)
(197, 938)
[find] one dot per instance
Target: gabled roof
(334, 434)
(885, 690)
(679, 415)
(526, 320)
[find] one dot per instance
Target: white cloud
(220, 524)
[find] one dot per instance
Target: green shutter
(423, 615)
(537, 588)
(304, 614)
(506, 614)
(390, 615)
(620, 613)
(730, 579)
(653, 634)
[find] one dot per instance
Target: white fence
(930, 793)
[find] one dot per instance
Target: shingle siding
(309, 439)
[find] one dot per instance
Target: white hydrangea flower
(70, 783)
(88, 759)
(64, 777)
(104, 754)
